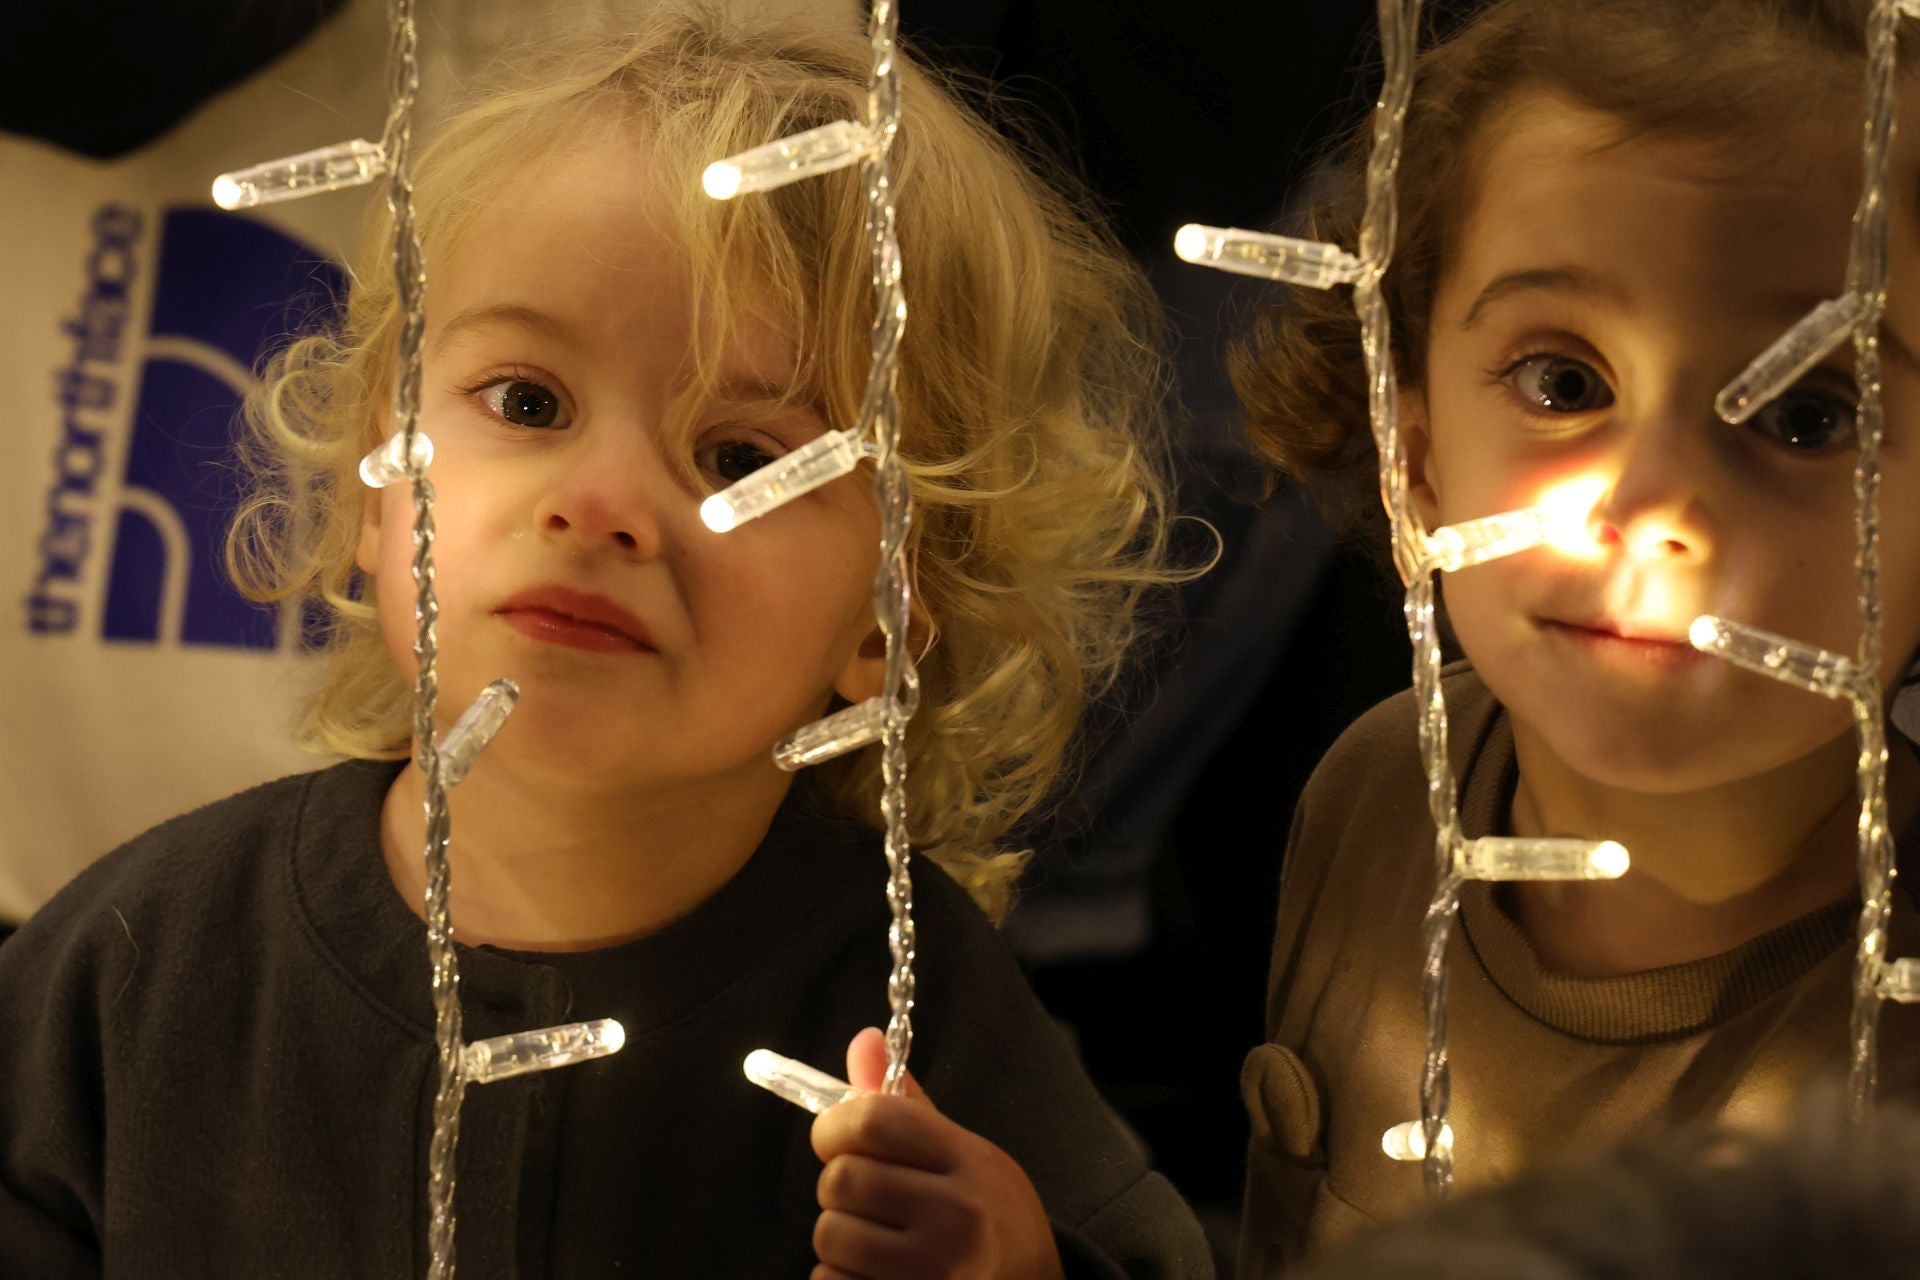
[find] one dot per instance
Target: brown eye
(731, 461)
(1560, 385)
(1806, 421)
(523, 403)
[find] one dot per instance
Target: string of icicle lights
(1561, 519)
(875, 434)
(443, 762)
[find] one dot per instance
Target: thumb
(867, 1064)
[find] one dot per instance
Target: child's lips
(1619, 645)
(558, 628)
(578, 619)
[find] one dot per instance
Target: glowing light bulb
(1311, 263)
(344, 164)
(1408, 1141)
(784, 160)
(475, 729)
(1531, 858)
(805, 469)
(1794, 352)
(721, 180)
(1789, 661)
(846, 730)
(1568, 511)
(1459, 546)
(798, 1083)
(386, 464)
(524, 1052)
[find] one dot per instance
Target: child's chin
(1651, 772)
(1668, 755)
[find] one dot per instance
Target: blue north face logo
(228, 291)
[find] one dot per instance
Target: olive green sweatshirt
(1543, 1065)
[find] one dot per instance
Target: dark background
(1210, 113)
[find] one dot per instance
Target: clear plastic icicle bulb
(386, 464)
(1789, 661)
(775, 164)
(344, 164)
(815, 463)
(1900, 981)
(846, 730)
(1461, 546)
(475, 729)
(1784, 363)
(806, 1087)
(523, 1052)
(1535, 858)
(1311, 263)
(1407, 1141)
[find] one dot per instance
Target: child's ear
(1423, 481)
(366, 554)
(866, 671)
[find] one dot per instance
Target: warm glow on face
(1569, 510)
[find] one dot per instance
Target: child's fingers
(897, 1130)
(860, 1247)
(867, 1064)
(893, 1195)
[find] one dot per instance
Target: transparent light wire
(893, 587)
(1399, 22)
(1805, 666)
(1867, 275)
(410, 283)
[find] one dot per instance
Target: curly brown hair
(1724, 70)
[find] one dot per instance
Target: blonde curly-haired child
(216, 1045)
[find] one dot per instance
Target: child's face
(1598, 299)
(557, 340)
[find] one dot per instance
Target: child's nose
(1654, 511)
(605, 501)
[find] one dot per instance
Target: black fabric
(216, 1059)
(105, 77)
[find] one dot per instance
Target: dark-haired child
(1608, 208)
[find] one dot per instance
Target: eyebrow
(1568, 279)
(507, 313)
(747, 389)
(1901, 352)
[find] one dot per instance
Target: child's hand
(907, 1193)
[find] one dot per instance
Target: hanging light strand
(1855, 313)
(1399, 22)
(875, 435)
(893, 585)
(1867, 278)
(410, 284)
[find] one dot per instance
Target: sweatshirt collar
(1658, 1004)
(371, 939)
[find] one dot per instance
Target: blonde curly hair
(1031, 376)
